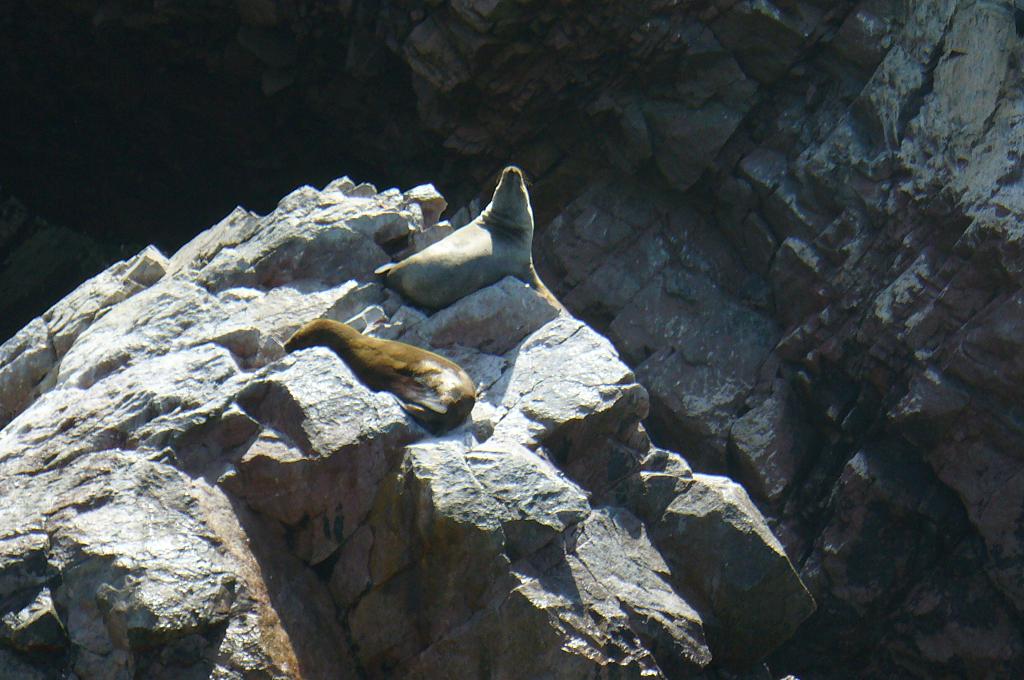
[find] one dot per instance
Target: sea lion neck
(323, 333)
(339, 336)
(509, 209)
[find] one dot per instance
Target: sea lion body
(498, 243)
(466, 261)
(435, 391)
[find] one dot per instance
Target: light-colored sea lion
(432, 389)
(496, 244)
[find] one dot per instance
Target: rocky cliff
(182, 499)
(796, 221)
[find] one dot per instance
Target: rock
(432, 57)
(874, 474)
(979, 469)
(792, 213)
(888, 512)
(72, 315)
(631, 144)
(660, 478)
(939, 622)
(24, 564)
(42, 261)
(767, 38)
(765, 169)
(327, 443)
(25, 360)
(603, 252)
(125, 585)
(340, 239)
(183, 497)
(685, 141)
(13, 667)
(867, 33)
(492, 320)
(798, 267)
(768, 444)
(562, 373)
(258, 12)
(718, 544)
(430, 201)
(36, 628)
(668, 304)
(560, 596)
(635, 584)
(481, 15)
(423, 238)
(149, 406)
(509, 522)
(696, 390)
(755, 241)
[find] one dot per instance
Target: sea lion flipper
(422, 399)
(416, 411)
(544, 291)
(384, 268)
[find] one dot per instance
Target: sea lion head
(322, 333)
(509, 208)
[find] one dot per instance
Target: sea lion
(432, 389)
(496, 244)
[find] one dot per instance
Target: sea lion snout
(510, 205)
(297, 342)
(513, 170)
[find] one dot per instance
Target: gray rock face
(715, 518)
(831, 314)
(182, 499)
(672, 298)
(798, 222)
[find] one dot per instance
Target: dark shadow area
(300, 599)
(129, 129)
(119, 133)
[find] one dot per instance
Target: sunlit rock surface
(183, 499)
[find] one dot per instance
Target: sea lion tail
(544, 291)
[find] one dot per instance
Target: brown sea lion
(434, 390)
(496, 244)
